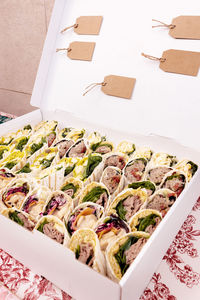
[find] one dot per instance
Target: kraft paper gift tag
(86, 25)
(183, 27)
(79, 50)
(117, 86)
(178, 61)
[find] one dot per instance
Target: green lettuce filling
(120, 255)
(143, 184)
(22, 143)
(2, 152)
(77, 252)
(92, 163)
(70, 186)
(25, 169)
(46, 162)
(194, 167)
(35, 147)
(94, 194)
(14, 217)
(69, 169)
(27, 127)
(40, 228)
(146, 221)
(121, 210)
(10, 165)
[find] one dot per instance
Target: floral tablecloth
(178, 276)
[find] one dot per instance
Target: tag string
(162, 24)
(161, 59)
(93, 85)
(63, 49)
(66, 28)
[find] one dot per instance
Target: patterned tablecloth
(178, 276)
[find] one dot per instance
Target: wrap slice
(175, 181)
(72, 187)
(126, 147)
(145, 220)
(110, 229)
(156, 174)
(127, 203)
(20, 218)
(187, 167)
(135, 170)
(115, 159)
(113, 179)
(5, 177)
(85, 244)
(79, 149)
(122, 253)
(163, 159)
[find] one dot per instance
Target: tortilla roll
(85, 244)
(163, 159)
(126, 147)
(14, 161)
(175, 181)
(127, 203)
(63, 146)
(35, 202)
(135, 170)
(122, 253)
(115, 159)
(156, 174)
(187, 167)
(16, 192)
(85, 215)
(145, 220)
(58, 204)
(113, 179)
(111, 228)
(72, 187)
(71, 133)
(161, 200)
(5, 177)
(142, 152)
(20, 218)
(52, 227)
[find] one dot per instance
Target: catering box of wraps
(162, 114)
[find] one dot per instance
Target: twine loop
(162, 24)
(63, 49)
(161, 59)
(93, 85)
(72, 26)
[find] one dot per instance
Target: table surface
(177, 277)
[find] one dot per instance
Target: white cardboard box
(159, 104)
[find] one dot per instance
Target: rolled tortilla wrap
(72, 187)
(121, 254)
(58, 204)
(63, 147)
(175, 181)
(187, 167)
(45, 127)
(115, 159)
(143, 152)
(135, 170)
(15, 193)
(96, 193)
(85, 215)
(126, 147)
(35, 202)
(14, 161)
(147, 186)
(71, 133)
(156, 174)
(79, 149)
(162, 159)
(111, 228)
(113, 179)
(127, 203)
(20, 218)
(89, 168)
(84, 243)
(161, 200)
(145, 220)
(52, 227)
(20, 143)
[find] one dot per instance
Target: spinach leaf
(120, 255)
(146, 221)
(66, 131)
(70, 186)
(35, 147)
(14, 216)
(27, 127)
(94, 194)
(25, 169)
(22, 143)
(2, 152)
(68, 170)
(10, 165)
(92, 163)
(46, 162)
(121, 210)
(40, 228)
(142, 184)
(194, 167)
(77, 252)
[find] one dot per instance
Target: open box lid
(162, 103)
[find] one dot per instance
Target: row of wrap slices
(101, 203)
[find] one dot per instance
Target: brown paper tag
(81, 50)
(181, 62)
(186, 27)
(88, 25)
(118, 86)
